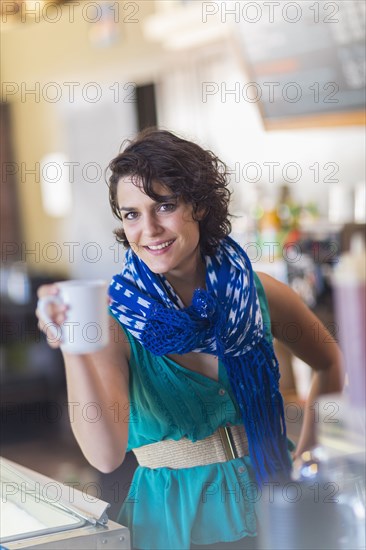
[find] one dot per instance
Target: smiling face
(162, 234)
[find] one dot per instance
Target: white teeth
(160, 246)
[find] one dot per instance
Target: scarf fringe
(254, 381)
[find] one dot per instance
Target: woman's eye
(130, 216)
(167, 207)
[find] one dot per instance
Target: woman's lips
(159, 251)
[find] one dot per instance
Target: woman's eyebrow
(164, 198)
(127, 208)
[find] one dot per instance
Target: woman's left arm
(314, 345)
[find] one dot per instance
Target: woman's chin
(158, 268)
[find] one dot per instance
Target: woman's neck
(185, 284)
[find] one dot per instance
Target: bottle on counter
(349, 282)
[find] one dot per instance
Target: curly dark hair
(192, 174)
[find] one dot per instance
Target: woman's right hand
(56, 312)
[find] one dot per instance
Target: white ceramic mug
(85, 329)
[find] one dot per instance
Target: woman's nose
(152, 225)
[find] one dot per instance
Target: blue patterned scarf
(224, 320)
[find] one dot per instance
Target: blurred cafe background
(275, 89)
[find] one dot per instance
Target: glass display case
(38, 512)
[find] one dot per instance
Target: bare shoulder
(285, 305)
(294, 324)
(265, 279)
(281, 297)
(269, 282)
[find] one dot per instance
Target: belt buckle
(228, 443)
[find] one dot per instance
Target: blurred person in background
(190, 356)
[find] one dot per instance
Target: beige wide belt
(225, 444)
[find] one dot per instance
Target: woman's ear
(201, 213)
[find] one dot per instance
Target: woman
(191, 356)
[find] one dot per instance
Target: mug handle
(42, 307)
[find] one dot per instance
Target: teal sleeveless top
(172, 508)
